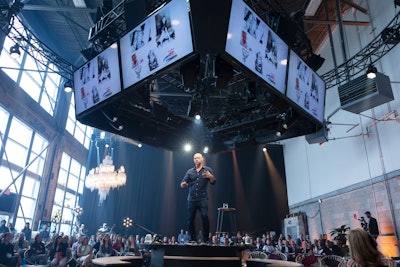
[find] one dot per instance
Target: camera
(363, 223)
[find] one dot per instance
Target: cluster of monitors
(165, 37)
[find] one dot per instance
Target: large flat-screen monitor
(160, 40)
(305, 87)
(7, 202)
(251, 42)
(97, 80)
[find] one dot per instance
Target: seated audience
(84, 252)
(332, 249)
(58, 254)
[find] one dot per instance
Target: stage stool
(231, 212)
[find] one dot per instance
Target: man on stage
(197, 179)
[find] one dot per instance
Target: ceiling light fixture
(14, 51)
(104, 177)
(68, 87)
(371, 72)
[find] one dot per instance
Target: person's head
(7, 237)
(3, 222)
(368, 214)
(21, 236)
(363, 248)
(85, 240)
(27, 225)
(58, 240)
(106, 239)
(198, 159)
(38, 238)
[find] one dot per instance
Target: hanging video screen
(251, 42)
(162, 39)
(97, 80)
(305, 87)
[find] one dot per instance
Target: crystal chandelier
(104, 177)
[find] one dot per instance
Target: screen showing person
(97, 80)
(163, 38)
(305, 87)
(253, 44)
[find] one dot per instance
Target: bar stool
(220, 219)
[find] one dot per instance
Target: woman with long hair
(58, 255)
(84, 252)
(363, 250)
(106, 248)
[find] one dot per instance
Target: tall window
(23, 148)
(71, 180)
(81, 132)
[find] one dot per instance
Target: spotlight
(264, 149)
(78, 210)
(127, 222)
(197, 117)
(14, 51)
(205, 150)
(139, 145)
(187, 147)
(371, 72)
(68, 87)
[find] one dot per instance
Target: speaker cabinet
(362, 93)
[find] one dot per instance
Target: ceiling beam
(354, 5)
(58, 8)
(345, 22)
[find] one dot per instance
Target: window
(22, 147)
(71, 180)
(81, 132)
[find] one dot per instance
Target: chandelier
(104, 177)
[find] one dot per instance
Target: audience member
(132, 246)
(38, 251)
(363, 250)
(118, 245)
(45, 233)
(268, 247)
(106, 247)
(332, 249)
(3, 227)
(7, 256)
(27, 231)
(84, 253)
(181, 237)
(58, 254)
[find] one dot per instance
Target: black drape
(248, 179)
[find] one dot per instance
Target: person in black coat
(372, 225)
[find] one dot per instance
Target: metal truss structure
(13, 27)
(374, 51)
